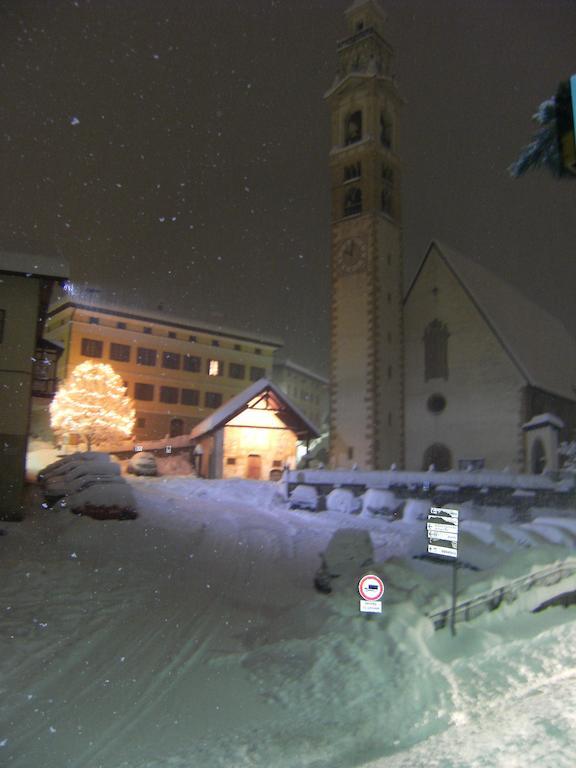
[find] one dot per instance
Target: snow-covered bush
(349, 551)
(567, 453)
(382, 503)
(304, 497)
(342, 500)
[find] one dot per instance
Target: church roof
(286, 411)
(537, 342)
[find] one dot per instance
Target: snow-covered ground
(192, 638)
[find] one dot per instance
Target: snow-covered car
(349, 551)
(143, 464)
(381, 503)
(57, 485)
(104, 501)
(343, 500)
(64, 464)
(304, 497)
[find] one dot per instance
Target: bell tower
(366, 390)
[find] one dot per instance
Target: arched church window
(353, 171)
(438, 457)
(353, 128)
(387, 190)
(353, 201)
(436, 350)
(538, 457)
(385, 130)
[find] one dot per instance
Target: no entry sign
(371, 587)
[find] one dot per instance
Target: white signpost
(442, 531)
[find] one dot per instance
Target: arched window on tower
(387, 194)
(353, 201)
(353, 128)
(385, 130)
(436, 350)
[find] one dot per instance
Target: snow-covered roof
(299, 369)
(544, 420)
(288, 412)
(165, 317)
(537, 342)
(36, 266)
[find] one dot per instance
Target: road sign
(442, 530)
(371, 587)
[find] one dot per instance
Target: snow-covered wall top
(391, 479)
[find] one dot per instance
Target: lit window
(214, 368)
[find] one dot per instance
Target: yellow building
(176, 370)
(306, 389)
(252, 436)
(25, 285)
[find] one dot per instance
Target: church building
(460, 371)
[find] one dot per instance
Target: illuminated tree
(93, 404)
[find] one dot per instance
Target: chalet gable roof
(286, 411)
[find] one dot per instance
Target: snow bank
(194, 637)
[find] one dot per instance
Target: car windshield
(287, 384)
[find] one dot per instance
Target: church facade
(461, 370)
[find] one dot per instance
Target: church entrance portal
(538, 457)
(439, 456)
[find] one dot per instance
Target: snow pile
(40, 453)
(342, 500)
(380, 503)
(194, 637)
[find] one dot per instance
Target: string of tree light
(93, 404)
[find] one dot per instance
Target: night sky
(175, 151)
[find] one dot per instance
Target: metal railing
(508, 593)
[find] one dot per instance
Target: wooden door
(254, 467)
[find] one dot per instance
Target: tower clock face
(351, 257)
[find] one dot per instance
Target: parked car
(143, 464)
